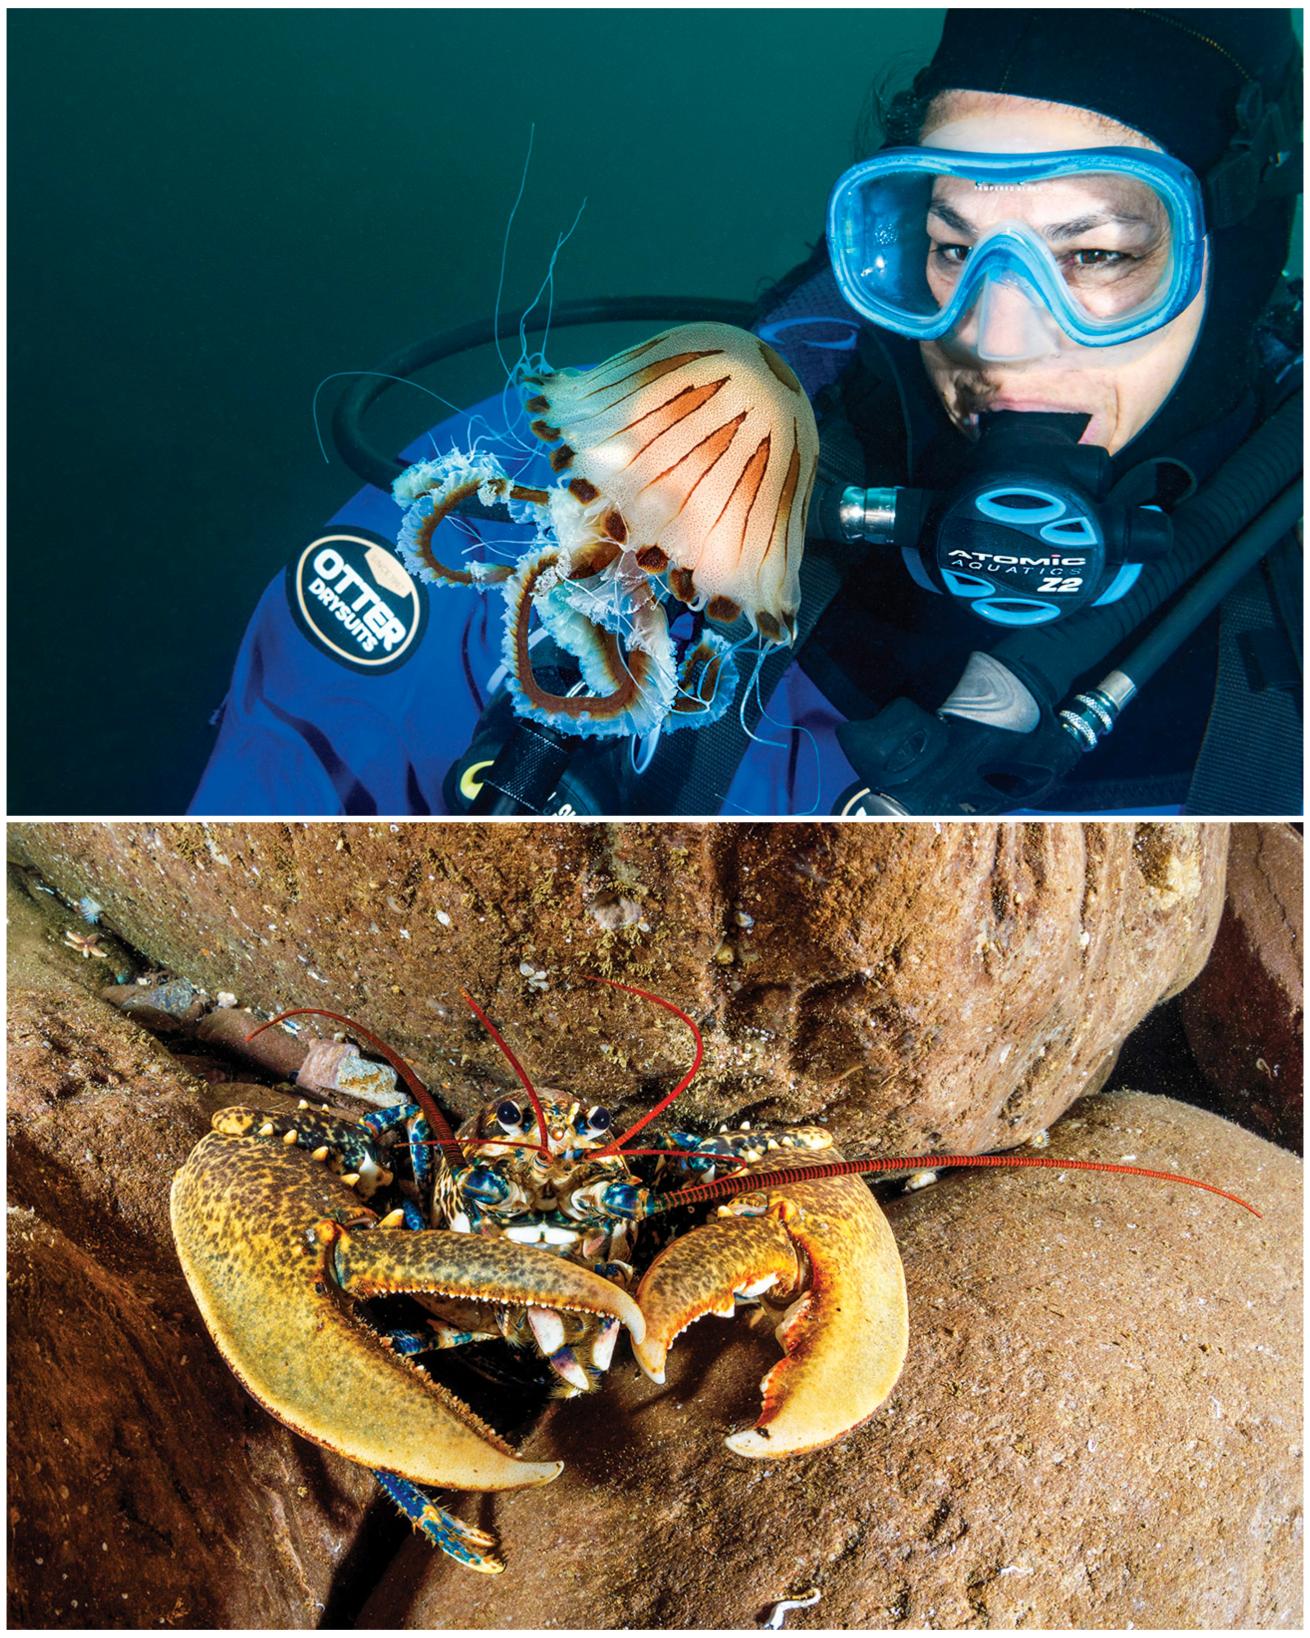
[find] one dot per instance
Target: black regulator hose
(380, 467)
(1206, 593)
(1049, 659)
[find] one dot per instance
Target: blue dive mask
(1102, 244)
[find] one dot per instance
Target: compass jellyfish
(667, 539)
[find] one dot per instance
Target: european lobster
(526, 1225)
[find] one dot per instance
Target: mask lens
(915, 235)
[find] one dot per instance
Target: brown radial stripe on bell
(746, 490)
(561, 459)
(547, 433)
(723, 611)
(582, 489)
(809, 496)
(710, 450)
(682, 585)
(664, 417)
(781, 369)
(782, 516)
(654, 559)
(648, 373)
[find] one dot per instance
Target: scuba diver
(1052, 561)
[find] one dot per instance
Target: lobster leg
(825, 1248)
(464, 1542)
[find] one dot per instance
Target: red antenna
(616, 1144)
(518, 1069)
(445, 1137)
(722, 1188)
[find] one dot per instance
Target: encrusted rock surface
(1244, 1015)
(918, 987)
(146, 1489)
(1098, 1425)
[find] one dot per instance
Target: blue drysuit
(312, 724)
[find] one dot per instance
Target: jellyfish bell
(704, 443)
(684, 468)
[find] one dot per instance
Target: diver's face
(1007, 352)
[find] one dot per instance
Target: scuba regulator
(1028, 494)
(1028, 533)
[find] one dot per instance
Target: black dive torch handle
(526, 770)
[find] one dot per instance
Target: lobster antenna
(518, 1069)
(445, 1136)
(722, 1188)
(616, 1144)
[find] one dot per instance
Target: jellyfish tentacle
(639, 678)
(434, 490)
(426, 514)
(707, 681)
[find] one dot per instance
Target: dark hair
(892, 117)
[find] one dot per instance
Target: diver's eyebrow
(1052, 230)
(1084, 224)
(952, 218)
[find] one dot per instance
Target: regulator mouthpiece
(1028, 534)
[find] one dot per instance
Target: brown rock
(146, 1489)
(1243, 1016)
(916, 986)
(1098, 1425)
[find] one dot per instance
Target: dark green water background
(211, 210)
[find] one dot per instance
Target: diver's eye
(509, 1115)
(595, 1120)
(951, 256)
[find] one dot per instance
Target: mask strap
(1263, 160)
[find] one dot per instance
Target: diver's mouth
(968, 420)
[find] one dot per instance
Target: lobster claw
(825, 1249)
(275, 1272)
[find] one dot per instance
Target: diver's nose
(1008, 325)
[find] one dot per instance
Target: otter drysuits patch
(351, 596)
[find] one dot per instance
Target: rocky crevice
(868, 987)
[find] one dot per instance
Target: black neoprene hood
(1177, 77)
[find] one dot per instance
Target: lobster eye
(509, 1115)
(600, 1120)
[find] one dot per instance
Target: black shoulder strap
(1251, 756)
(692, 771)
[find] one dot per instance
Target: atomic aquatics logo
(351, 596)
